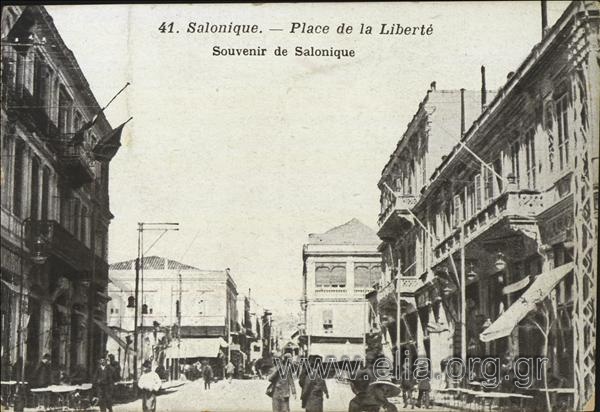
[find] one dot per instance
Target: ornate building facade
(55, 205)
(340, 267)
(499, 238)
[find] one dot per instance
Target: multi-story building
(55, 206)
(196, 309)
(502, 233)
(430, 135)
(340, 267)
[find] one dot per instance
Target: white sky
(254, 153)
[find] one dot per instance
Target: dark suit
(103, 382)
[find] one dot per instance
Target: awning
(195, 348)
(111, 333)
(536, 293)
(337, 351)
(17, 289)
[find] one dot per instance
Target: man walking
(116, 368)
(207, 375)
(229, 369)
(282, 386)
(103, 382)
(150, 384)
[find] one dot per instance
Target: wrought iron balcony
(75, 162)
(61, 244)
(395, 218)
(388, 293)
(517, 207)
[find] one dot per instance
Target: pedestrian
(103, 383)
(407, 384)
(258, 367)
(150, 384)
(281, 387)
(114, 364)
(313, 386)
(43, 373)
(229, 369)
(424, 390)
(207, 375)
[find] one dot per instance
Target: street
(240, 395)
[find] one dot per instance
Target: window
(64, 107)
(40, 77)
(497, 165)
(75, 217)
(18, 179)
(84, 217)
(488, 183)
(34, 211)
(45, 193)
(530, 158)
(562, 120)
(457, 211)
(514, 160)
(330, 275)
(328, 321)
(366, 275)
(477, 191)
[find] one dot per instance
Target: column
(46, 328)
(350, 276)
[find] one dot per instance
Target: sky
(251, 154)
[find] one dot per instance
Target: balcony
(61, 244)
(75, 162)
(396, 217)
(517, 208)
(388, 293)
(32, 110)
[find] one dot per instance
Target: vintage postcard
(362, 206)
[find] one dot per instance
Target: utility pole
(139, 266)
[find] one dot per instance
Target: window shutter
(477, 191)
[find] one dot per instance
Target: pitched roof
(353, 232)
(152, 263)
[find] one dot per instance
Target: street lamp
(38, 256)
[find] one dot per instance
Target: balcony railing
(75, 162)
(330, 291)
(395, 215)
(59, 242)
(510, 204)
(408, 286)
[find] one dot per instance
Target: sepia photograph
(336, 206)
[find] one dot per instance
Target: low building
(192, 311)
(340, 267)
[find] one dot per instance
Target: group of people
(371, 392)
(313, 387)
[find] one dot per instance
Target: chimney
(483, 89)
(462, 112)
(544, 17)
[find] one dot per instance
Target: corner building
(55, 205)
(502, 233)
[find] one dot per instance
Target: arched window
(130, 302)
